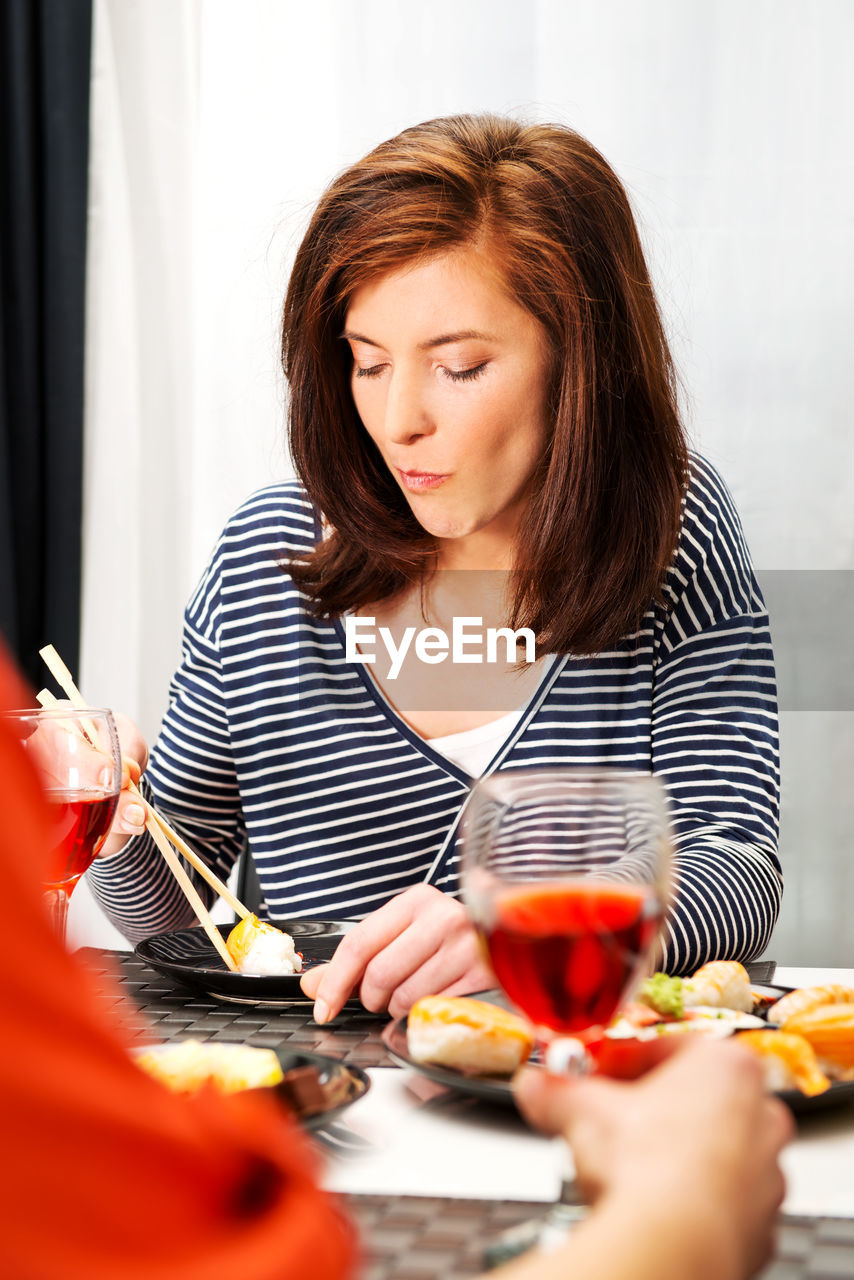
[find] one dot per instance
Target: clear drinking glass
(566, 875)
(77, 757)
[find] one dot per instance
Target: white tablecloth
(422, 1141)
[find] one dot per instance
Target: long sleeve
(714, 738)
(190, 779)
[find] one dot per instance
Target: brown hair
(603, 518)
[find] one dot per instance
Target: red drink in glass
(565, 953)
(80, 822)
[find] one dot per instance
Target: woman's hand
(130, 814)
(420, 943)
(693, 1147)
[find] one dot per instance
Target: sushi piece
(470, 1035)
(262, 950)
(789, 1061)
(803, 999)
(723, 984)
(189, 1065)
(829, 1028)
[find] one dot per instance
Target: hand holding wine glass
(76, 755)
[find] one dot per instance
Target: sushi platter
(803, 1037)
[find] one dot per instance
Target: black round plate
(343, 1083)
(189, 956)
(500, 1089)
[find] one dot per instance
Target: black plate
(189, 956)
(343, 1083)
(499, 1088)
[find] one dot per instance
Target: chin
(447, 527)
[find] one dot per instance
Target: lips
(418, 481)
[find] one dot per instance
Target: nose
(407, 412)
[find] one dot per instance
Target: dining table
(441, 1182)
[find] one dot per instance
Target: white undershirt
(472, 749)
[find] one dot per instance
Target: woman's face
(450, 380)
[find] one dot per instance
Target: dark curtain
(44, 135)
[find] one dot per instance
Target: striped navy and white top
(273, 735)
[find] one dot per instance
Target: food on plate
(804, 998)
(829, 1028)
(705, 1019)
(188, 1065)
(663, 994)
(470, 1035)
(789, 1061)
(303, 1091)
(262, 950)
(720, 984)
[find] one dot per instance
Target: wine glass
(566, 876)
(77, 758)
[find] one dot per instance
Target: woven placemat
(414, 1237)
(168, 1011)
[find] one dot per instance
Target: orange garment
(105, 1175)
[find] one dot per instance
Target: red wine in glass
(565, 954)
(565, 873)
(79, 824)
(77, 758)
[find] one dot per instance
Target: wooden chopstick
(153, 822)
(194, 860)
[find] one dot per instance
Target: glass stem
(56, 901)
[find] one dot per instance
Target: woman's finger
(130, 815)
(435, 947)
(453, 969)
(366, 940)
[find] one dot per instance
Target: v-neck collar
(422, 745)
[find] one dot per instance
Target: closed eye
(371, 372)
(465, 375)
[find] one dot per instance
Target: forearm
(629, 1239)
(138, 893)
(728, 899)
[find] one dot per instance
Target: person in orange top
(107, 1176)
(105, 1173)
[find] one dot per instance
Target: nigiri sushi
(804, 998)
(188, 1065)
(470, 1035)
(262, 950)
(829, 1028)
(723, 984)
(789, 1061)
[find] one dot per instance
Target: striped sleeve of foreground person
(272, 736)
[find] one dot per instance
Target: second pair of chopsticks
(159, 829)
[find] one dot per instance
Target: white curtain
(215, 125)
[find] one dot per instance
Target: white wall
(215, 126)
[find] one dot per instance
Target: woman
(483, 419)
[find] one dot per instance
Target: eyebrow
(443, 339)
